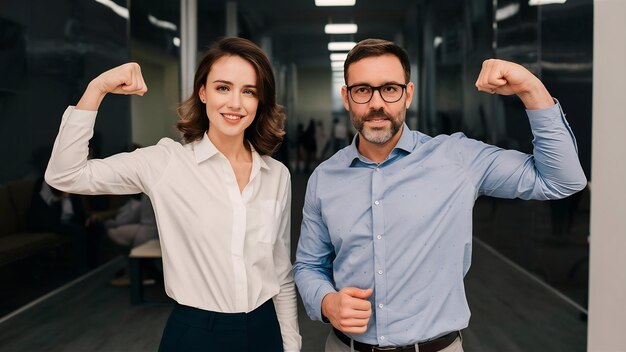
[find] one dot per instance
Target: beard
(377, 135)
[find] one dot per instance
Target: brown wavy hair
(267, 130)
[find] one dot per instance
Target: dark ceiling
(296, 27)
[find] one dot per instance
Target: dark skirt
(193, 329)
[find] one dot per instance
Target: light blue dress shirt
(404, 226)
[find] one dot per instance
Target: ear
(344, 95)
(410, 88)
(202, 94)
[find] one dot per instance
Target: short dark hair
(267, 130)
(377, 47)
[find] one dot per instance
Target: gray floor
(510, 312)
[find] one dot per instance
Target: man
(386, 231)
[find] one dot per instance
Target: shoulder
(160, 153)
(276, 167)
(276, 174)
(457, 138)
(456, 147)
(170, 143)
(341, 159)
(170, 146)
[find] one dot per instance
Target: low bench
(137, 258)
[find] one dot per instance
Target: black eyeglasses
(363, 93)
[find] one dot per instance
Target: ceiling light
(338, 56)
(341, 46)
(119, 10)
(341, 28)
(336, 64)
(437, 41)
(162, 24)
(545, 2)
(335, 2)
(507, 11)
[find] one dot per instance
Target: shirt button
(382, 337)
(380, 272)
(376, 202)
(377, 169)
(380, 305)
(379, 236)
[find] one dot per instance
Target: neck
(233, 148)
(378, 152)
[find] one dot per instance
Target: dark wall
(49, 51)
(555, 42)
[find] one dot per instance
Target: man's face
(377, 121)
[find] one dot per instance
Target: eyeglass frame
(376, 88)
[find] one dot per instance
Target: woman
(222, 204)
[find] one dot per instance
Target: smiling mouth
(232, 117)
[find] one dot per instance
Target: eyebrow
(368, 84)
(231, 83)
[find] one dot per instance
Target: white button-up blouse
(223, 250)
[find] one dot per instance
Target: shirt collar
(204, 149)
(405, 143)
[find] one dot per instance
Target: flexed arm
(506, 78)
(124, 173)
(553, 170)
(124, 79)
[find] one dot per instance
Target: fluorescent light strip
(507, 11)
(335, 2)
(341, 46)
(336, 64)
(341, 28)
(161, 23)
(119, 10)
(545, 2)
(338, 56)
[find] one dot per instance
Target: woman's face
(230, 95)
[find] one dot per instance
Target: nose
(234, 101)
(377, 100)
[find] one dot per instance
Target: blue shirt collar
(406, 144)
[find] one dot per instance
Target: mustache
(377, 114)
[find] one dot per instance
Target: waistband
(435, 345)
(206, 318)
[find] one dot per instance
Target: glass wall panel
(548, 239)
(49, 52)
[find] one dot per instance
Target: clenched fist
(123, 79)
(348, 310)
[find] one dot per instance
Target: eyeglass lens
(390, 93)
